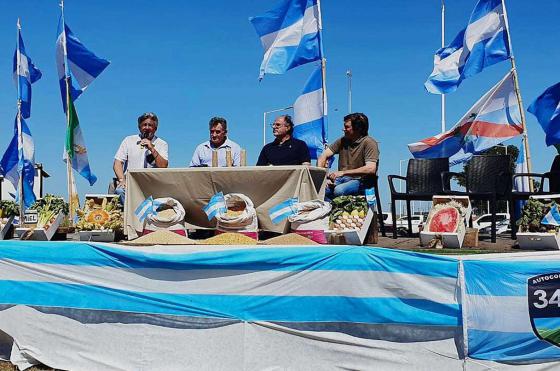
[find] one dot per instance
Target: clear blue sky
(191, 60)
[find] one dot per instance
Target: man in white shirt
(218, 142)
(140, 151)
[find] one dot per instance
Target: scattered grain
(228, 238)
(162, 237)
(289, 239)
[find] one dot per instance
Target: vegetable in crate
(348, 213)
(532, 215)
(104, 216)
(8, 208)
(48, 208)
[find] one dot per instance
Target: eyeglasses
(276, 125)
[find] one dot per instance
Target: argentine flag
(310, 115)
(482, 43)
(283, 210)
(552, 217)
(289, 35)
(25, 74)
(216, 205)
(75, 61)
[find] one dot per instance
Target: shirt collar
(226, 144)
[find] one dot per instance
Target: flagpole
(20, 135)
(443, 45)
(69, 172)
(323, 66)
(518, 94)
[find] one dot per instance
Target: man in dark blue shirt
(284, 150)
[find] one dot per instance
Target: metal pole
(349, 75)
(20, 134)
(442, 45)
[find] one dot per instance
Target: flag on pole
(216, 205)
(75, 145)
(482, 43)
(309, 115)
(289, 35)
(76, 62)
(494, 119)
(546, 109)
(26, 74)
(283, 210)
(19, 160)
(521, 183)
(552, 217)
(148, 207)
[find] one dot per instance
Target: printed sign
(30, 217)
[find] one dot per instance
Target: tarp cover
(85, 306)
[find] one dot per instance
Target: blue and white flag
(370, 197)
(310, 115)
(148, 207)
(521, 183)
(76, 62)
(289, 35)
(552, 217)
(546, 109)
(482, 43)
(25, 74)
(19, 159)
(216, 206)
(283, 210)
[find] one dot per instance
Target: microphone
(143, 135)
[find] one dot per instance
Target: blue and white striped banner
(552, 217)
(289, 35)
(147, 207)
(283, 210)
(25, 74)
(216, 205)
(370, 198)
(310, 115)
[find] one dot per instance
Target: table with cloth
(266, 186)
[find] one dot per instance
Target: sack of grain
(170, 216)
(312, 220)
(240, 217)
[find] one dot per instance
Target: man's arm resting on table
(322, 160)
(370, 168)
(119, 173)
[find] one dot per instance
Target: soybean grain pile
(289, 239)
(162, 237)
(228, 239)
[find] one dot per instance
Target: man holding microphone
(140, 151)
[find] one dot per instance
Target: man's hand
(335, 174)
(121, 183)
(147, 143)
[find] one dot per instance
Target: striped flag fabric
(75, 62)
(289, 35)
(546, 108)
(283, 210)
(293, 307)
(552, 217)
(370, 197)
(521, 183)
(216, 206)
(492, 120)
(19, 160)
(148, 207)
(310, 115)
(482, 43)
(25, 74)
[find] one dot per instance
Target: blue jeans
(344, 186)
(121, 192)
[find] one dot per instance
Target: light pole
(264, 119)
(349, 75)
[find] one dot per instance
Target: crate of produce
(44, 230)
(533, 234)
(100, 218)
(350, 217)
(447, 222)
(8, 211)
(43, 218)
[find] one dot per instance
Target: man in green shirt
(357, 161)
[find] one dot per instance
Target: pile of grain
(162, 237)
(289, 239)
(228, 239)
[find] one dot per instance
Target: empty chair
(422, 182)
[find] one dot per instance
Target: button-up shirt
(203, 154)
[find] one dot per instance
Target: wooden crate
(471, 238)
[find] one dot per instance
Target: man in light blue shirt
(219, 142)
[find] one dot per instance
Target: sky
(190, 60)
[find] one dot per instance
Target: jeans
(121, 191)
(344, 186)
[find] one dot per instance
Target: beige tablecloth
(193, 187)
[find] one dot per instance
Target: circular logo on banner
(543, 294)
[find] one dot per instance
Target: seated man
(284, 150)
(357, 162)
(218, 142)
(139, 151)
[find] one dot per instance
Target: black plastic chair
(379, 211)
(423, 181)
(488, 178)
(553, 177)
